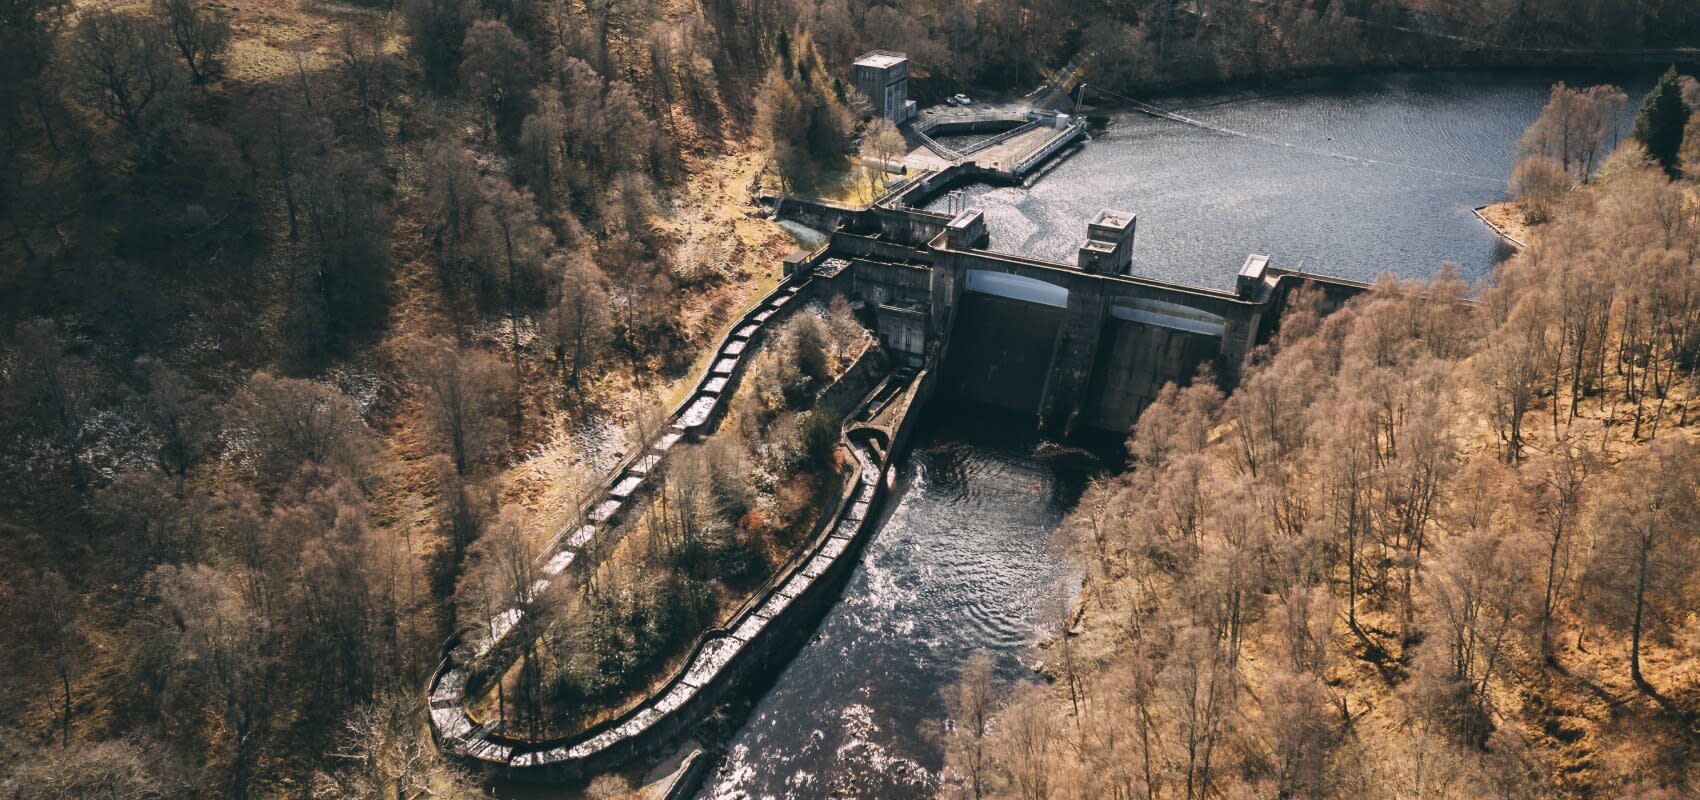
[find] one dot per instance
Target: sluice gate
(1082, 345)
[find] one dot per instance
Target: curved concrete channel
(761, 635)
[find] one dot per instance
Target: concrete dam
(1075, 346)
(1078, 346)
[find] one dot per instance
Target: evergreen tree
(1659, 125)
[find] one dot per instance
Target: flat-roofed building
(883, 76)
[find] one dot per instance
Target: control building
(884, 77)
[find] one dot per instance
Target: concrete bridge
(1077, 345)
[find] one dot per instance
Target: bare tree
(288, 422)
(1177, 423)
(436, 30)
(1345, 471)
(1576, 128)
(513, 245)
(1296, 731)
(504, 576)
(578, 323)
(373, 76)
(156, 516)
(1029, 743)
(542, 157)
(278, 133)
(122, 67)
(201, 34)
(455, 195)
(384, 755)
(1539, 181)
(346, 590)
(348, 220)
(45, 614)
(970, 702)
(53, 394)
(466, 393)
(1197, 686)
(1476, 604)
(129, 768)
(1688, 156)
(1643, 528)
(884, 144)
(1559, 477)
(496, 71)
(1515, 366)
(183, 417)
(609, 787)
(216, 650)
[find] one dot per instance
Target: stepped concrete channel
(761, 635)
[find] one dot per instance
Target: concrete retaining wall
(761, 635)
(733, 659)
(600, 524)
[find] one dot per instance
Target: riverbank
(1569, 701)
(1368, 47)
(1507, 220)
(1162, 89)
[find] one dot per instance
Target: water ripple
(959, 564)
(1348, 177)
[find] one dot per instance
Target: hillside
(1431, 547)
(307, 306)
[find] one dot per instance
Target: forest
(1438, 544)
(313, 314)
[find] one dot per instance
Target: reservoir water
(1347, 177)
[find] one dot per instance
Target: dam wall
(1076, 346)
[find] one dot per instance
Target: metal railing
(1069, 134)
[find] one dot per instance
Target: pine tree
(1659, 125)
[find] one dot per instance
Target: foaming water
(960, 563)
(1348, 177)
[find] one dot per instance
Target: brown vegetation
(301, 303)
(1428, 548)
(726, 514)
(288, 290)
(1005, 44)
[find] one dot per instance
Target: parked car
(960, 100)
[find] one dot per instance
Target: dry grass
(1508, 220)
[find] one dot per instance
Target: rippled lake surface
(1382, 173)
(1347, 177)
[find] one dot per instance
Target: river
(1343, 176)
(961, 562)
